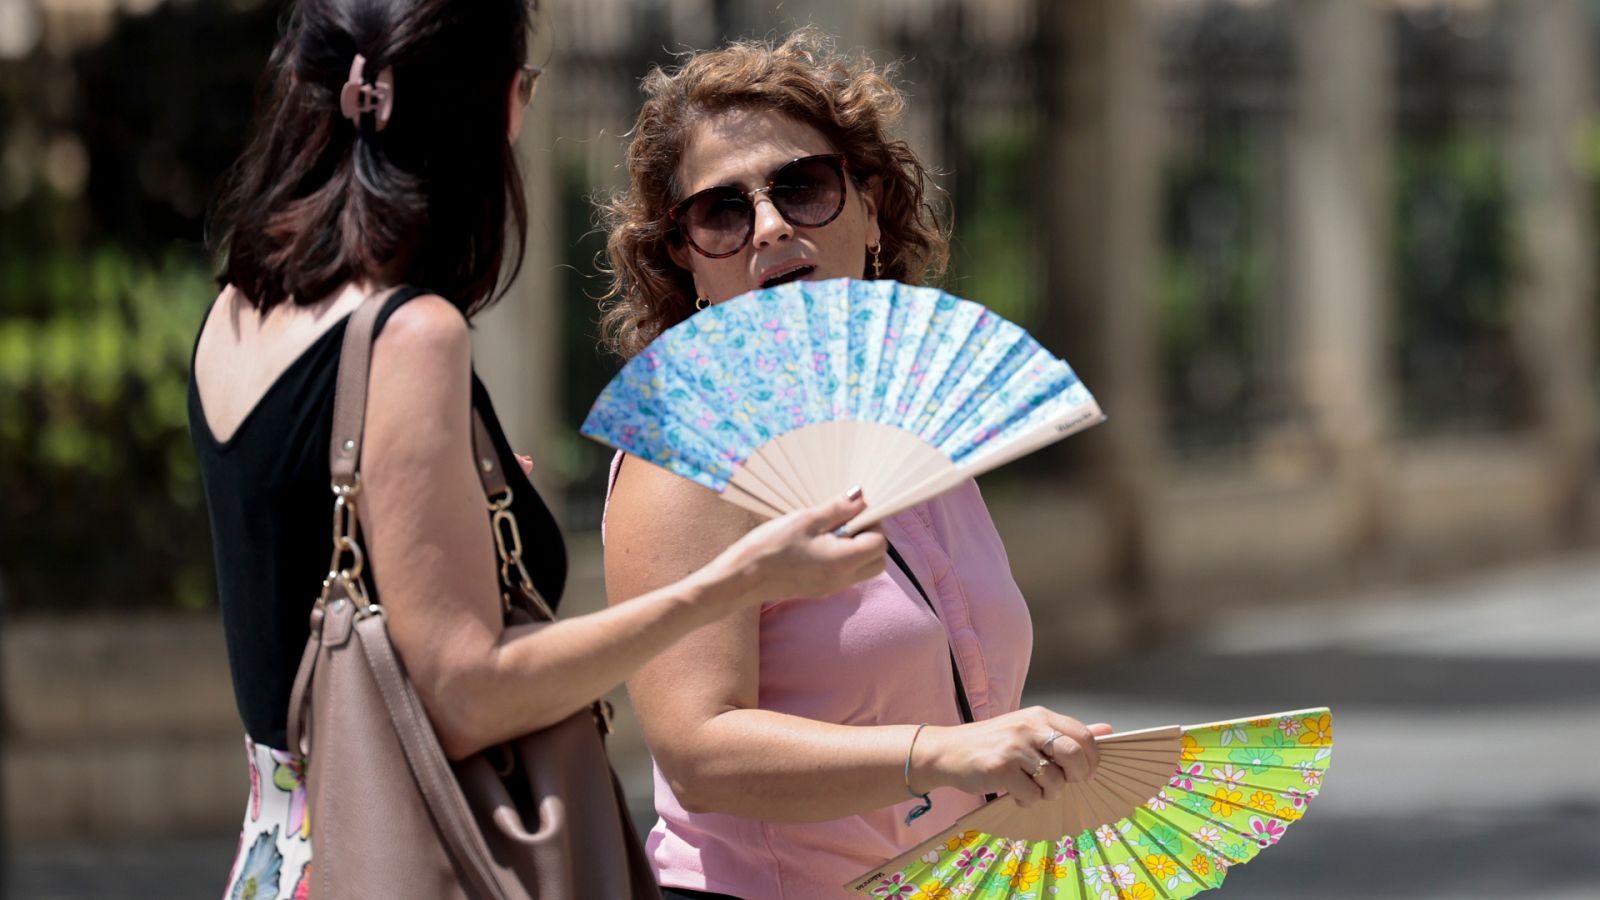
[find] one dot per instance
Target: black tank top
(270, 505)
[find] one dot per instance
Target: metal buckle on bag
(354, 590)
(604, 712)
(347, 546)
(346, 530)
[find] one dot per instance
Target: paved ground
(1465, 715)
(1466, 718)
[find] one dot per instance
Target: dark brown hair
(317, 200)
(847, 99)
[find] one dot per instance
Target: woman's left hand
(1007, 754)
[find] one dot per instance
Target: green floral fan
(1168, 813)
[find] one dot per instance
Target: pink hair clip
(357, 97)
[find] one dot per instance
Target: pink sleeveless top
(870, 655)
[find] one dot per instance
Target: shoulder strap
(350, 405)
(350, 391)
(428, 764)
(955, 669)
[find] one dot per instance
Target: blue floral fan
(786, 397)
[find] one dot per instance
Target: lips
(785, 272)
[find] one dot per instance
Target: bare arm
(428, 535)
(698, 700)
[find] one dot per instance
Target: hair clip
(358, 98)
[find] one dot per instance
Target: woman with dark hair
(798, 744)
(381, 163)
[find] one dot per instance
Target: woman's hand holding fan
(1008, 754)
(1167, 812)
(800, 554)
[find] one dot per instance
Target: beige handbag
(539, 817)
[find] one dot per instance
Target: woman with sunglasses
(799, 743)
(382, 157)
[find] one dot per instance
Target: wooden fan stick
(772, 475)
(877, 466)
(801, 450)
(740, 497)
(894, 456)
(760, 478)
(783, 465)
(1084, 805)
(1128, 790)
(816, 445)
(913, 466)
(1141, 761)
(811, 463)
(1048, 432)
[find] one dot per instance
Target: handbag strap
(350, 391)
(350, 405)
(428, 764)
(349, 426)
(955, 668)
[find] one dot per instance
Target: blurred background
(1330, 265)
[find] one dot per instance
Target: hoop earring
(702, 302)
(877, 261)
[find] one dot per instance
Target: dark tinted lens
(809, 192)
(717, 221)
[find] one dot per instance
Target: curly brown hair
(846, 98)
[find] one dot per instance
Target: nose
(771, 226)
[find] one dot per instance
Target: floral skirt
(273, 862)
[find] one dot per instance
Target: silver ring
(1054, 735)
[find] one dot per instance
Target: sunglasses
(718, 221)
(528, 83)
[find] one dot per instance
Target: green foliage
(1456, 359)
(1210, 292)
(101, 290)
(581, 463)
(102, 505)
(995, 252)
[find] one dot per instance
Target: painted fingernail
(853, 494)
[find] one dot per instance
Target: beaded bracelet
(927, 803)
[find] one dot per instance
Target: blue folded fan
(786, 397)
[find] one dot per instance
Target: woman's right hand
(799, 555)
(1000, 755)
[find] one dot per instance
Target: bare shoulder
(661, 526)
(429, 326)
(421, 373)
(219, 333)
(653, 491)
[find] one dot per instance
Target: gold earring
(877, 262)
(702, 302)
